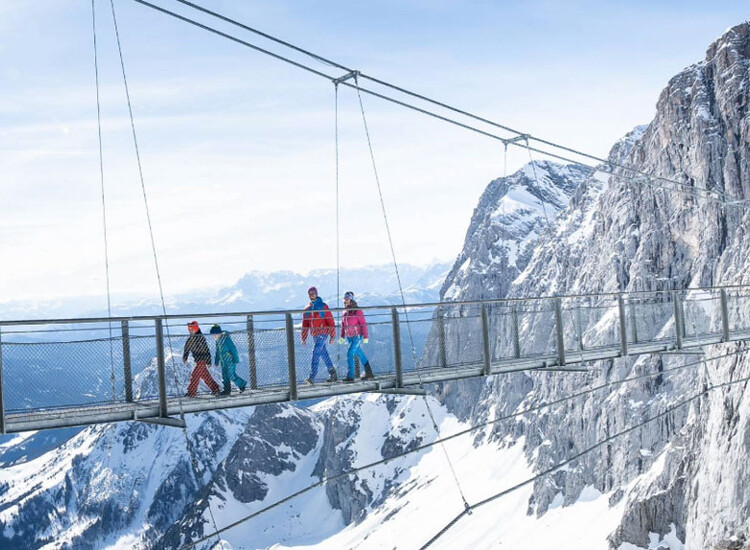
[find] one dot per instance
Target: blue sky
(237, 148)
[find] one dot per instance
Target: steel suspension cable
(338, 235)
(722, 196)
(473, 428)
(401, 289)
(110, 435)
(536, 180)
(193, 459)
(103, 197)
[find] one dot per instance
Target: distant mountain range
(257, 291)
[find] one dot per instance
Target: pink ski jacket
(353, 323)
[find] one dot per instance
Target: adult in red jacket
(318, 322)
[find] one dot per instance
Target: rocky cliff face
(626, 232)
(505, 226)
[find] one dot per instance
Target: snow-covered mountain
(674, 488)
(257, 291)
(505, 226)
(679, 482)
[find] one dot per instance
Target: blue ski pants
(229, 375)
(320, 351)
(355, 350)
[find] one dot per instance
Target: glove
(341, 341)
(366, 341)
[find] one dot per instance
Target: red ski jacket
(317, 320)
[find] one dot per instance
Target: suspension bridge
(454, 340)
(77, 372)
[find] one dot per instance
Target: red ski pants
(200, 372)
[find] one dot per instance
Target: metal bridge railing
(65, 364)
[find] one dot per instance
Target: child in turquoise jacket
(226, 354)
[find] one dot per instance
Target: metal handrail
(515, 300)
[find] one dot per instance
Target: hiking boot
(309, 382)
(348, 379)
(332, 376)
(368, 375)
(242, 389)
(225, 393)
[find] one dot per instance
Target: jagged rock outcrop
(622, 231)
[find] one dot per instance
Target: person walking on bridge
(318, 322)
(226, 354)
(197, 345)
(354, 329)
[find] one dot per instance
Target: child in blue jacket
(226, 354)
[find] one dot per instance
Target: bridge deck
(149, 409)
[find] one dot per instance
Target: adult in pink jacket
(354, 329)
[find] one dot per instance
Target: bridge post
(397, 348)
(559, 332)
(579, 326)
(623, 326)
(251, 354)
(126, 366)
(442, 359)
(724, 317)
(516, 336)
(486, 342)
(678, 321)
(160, 367)
(633, 324)
(291, 357)
(2, 391)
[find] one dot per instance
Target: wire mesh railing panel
(503, 331)
(271, 362)
(738, 308)
(599, 323)
(536, 322)
(462, 337)
(650, 318)
(415, 324)
(143, 365)
(52, 374)
(702, 314)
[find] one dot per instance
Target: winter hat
(349, 295)
(312, 289)
(215, 329)
(193, 325)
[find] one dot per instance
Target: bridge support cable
(583, 453)
(110, 434)
(473, 428)
(338, 235)
(512, 140)
(401, 286)
(718, 196)
(536, 180)
(191, 452)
